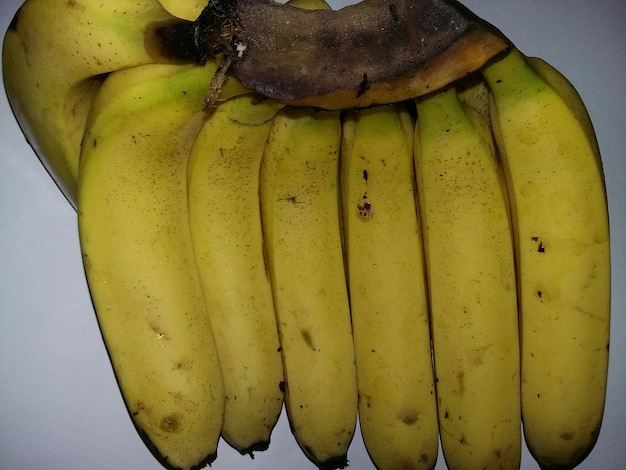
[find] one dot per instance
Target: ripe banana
(186, 9)
(388, 297)
(139, 261)
(301, 223)
(227, 239)
(471, 282)
(55, 56)
(560, 217)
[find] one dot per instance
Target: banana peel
(371, 53)
(56, 55)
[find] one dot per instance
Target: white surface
(60, 407)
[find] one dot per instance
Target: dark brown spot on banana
(308, 339)
(170, 423)
(408, 416)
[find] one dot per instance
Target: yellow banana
(301, 223)
(388, 297)
(471, 282)
(228, 241)
(560, 216)
(137, 250)
(186, 9)
(228, 244)
(55, 55)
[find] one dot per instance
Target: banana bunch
(435, 270)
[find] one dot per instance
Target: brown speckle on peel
(540, 246)
(139, 407)
(460, 377)
(408, 416)
(170, 423)
(364, 209)
(306, 336)
(160, 335)
(567, 436)
(291, 199)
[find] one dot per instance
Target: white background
(60, 407)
